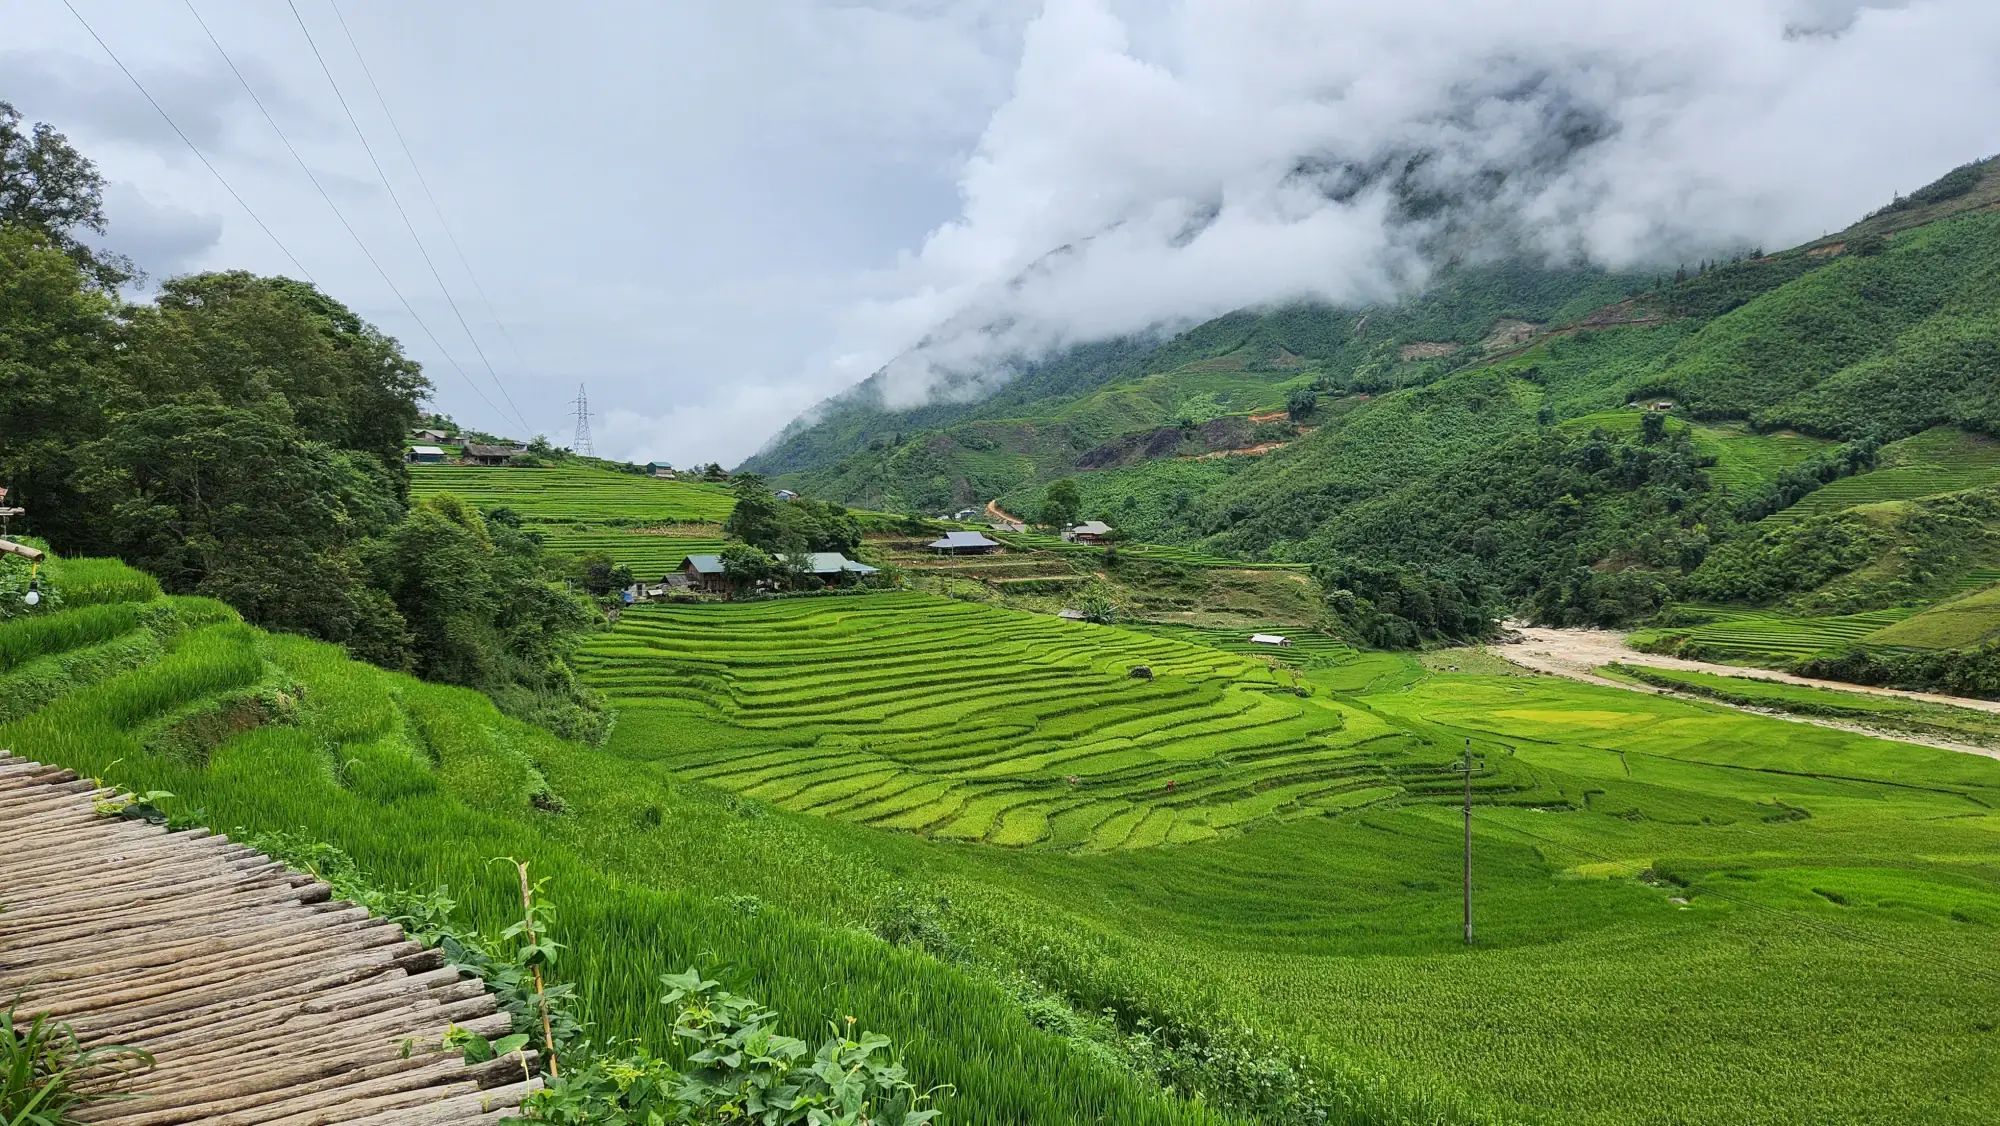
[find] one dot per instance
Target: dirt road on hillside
(994, 510)
(1577, 653)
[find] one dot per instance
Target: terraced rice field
(1786, 639)
(651, 553)
(1306, 647)
(1940, 460)
(577, 495)
(1885, 484)
(969, 723)
(1164, 553)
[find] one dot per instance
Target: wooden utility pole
(1468, 842)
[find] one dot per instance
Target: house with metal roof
(1090, 531)
(424, 455)
(963, 543)
(1269, 639)
(832, 565)
(704, 573)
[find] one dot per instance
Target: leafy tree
(1652, 427)
(56, 335)
(596, 572)
(1061, 504)
(745, 566)
(46, 185)
(1301, 403)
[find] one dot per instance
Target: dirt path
(994, 510)
(261, 1000)
(1578, 653)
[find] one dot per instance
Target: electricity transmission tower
(582, 444)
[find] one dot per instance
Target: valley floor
(1578, 654)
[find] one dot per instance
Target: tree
(597, 572)
(1652, 427)
(56, 334)
(1301, 403)
(48, 186)
(714, 472)
(1061, 503)
(745, 566)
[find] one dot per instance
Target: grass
(1744, 459)
(1952, 624)
(1831, 964)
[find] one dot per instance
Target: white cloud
(1152, 169)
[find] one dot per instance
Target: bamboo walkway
(262, 1000)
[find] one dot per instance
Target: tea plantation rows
(965, 722)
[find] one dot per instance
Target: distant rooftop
(963, 539)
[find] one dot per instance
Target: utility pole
(1468, 842)
(581, 443)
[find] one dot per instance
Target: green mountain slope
(1042, 425)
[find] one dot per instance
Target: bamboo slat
(265, 1001)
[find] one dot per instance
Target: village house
(785, 494)
(432, 436)
(661, 470)
(1269, 639)
(490, 455)
(963, 543)
(1090, 531)
(705, 572)
(423, 455)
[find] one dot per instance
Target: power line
(323, 194)
(425, 184)
(192, 147)
(393, 198)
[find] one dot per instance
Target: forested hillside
(1484, 437)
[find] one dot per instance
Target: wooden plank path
(261, 998)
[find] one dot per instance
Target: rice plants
(1678, 905)
(1003, 721)
(577, 495)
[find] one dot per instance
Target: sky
(716, 215)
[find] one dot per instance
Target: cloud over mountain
(1152, 167)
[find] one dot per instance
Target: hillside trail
(994, 510)
(1578, 653)
(262, 999)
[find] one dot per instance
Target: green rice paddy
(965, 722)
(1684, 913)
(1941, 460)
(1769, 638)
(651, 553)
(577, 495)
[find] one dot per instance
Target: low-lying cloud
(1150, 170)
